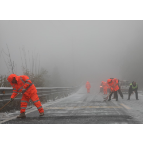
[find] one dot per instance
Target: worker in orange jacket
(105, 87)
(108, 88)
(113, 83)
(88, 86)
(23, 84)
(119, 91)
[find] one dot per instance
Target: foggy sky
(81, 50)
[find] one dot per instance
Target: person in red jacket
(113, 83)
(119, 91)
(23, 84)
(88, 86)
(108, 89)
(105, 87)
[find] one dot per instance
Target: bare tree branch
(11, 64)
(21, 60)
(5, 63)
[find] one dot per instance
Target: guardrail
(45, 94)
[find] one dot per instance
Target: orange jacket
(23, 82)
(113, 83)
(88, 85)
(105, 85)
(102, 83)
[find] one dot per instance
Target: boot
(41, 114)
(137, 96)
(22, 115)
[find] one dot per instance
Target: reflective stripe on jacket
(134, 87)
(114, 85)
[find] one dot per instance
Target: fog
(78, 51)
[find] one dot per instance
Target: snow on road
(81, 105)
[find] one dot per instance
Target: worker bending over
(133, 87)
(113, 83)
(23, 84)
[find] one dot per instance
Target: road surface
(80, 108)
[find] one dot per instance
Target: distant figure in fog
(105, 87)
(133, 87)
(88, 86)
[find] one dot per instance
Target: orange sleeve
(15, 92)
(112, 89)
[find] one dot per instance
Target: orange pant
(34, 97)
(105, 90)
(88, 90)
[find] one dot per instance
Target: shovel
(9, 101)
(105, 99)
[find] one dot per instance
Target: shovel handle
(5, 105)
(10, 101)
(108, 96)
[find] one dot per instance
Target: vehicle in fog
(124, 85)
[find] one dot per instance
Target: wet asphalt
(80, 108)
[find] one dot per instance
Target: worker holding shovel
(23, 84)
(114, 86)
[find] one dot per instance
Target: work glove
(113, 90)
(11, 99)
